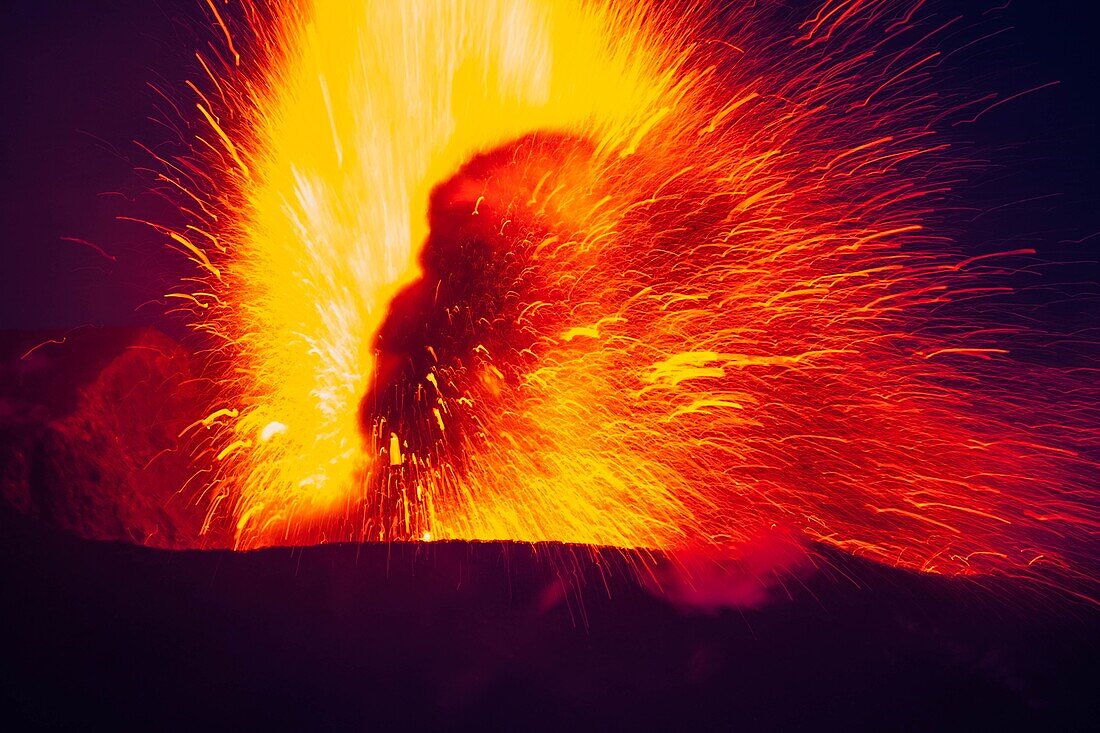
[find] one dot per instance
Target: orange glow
(717, 300)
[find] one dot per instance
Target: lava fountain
(647, 275)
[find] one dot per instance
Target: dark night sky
(106, 636)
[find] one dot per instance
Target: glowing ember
(628, 275)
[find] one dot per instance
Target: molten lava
(644, 275)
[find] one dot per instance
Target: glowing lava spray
(645, 275)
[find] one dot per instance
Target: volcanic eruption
(655, 276)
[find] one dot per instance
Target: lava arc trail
(643, 275)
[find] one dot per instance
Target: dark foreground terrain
(108, 636)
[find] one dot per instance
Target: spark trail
(642, 275)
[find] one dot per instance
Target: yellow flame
(376, 103)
